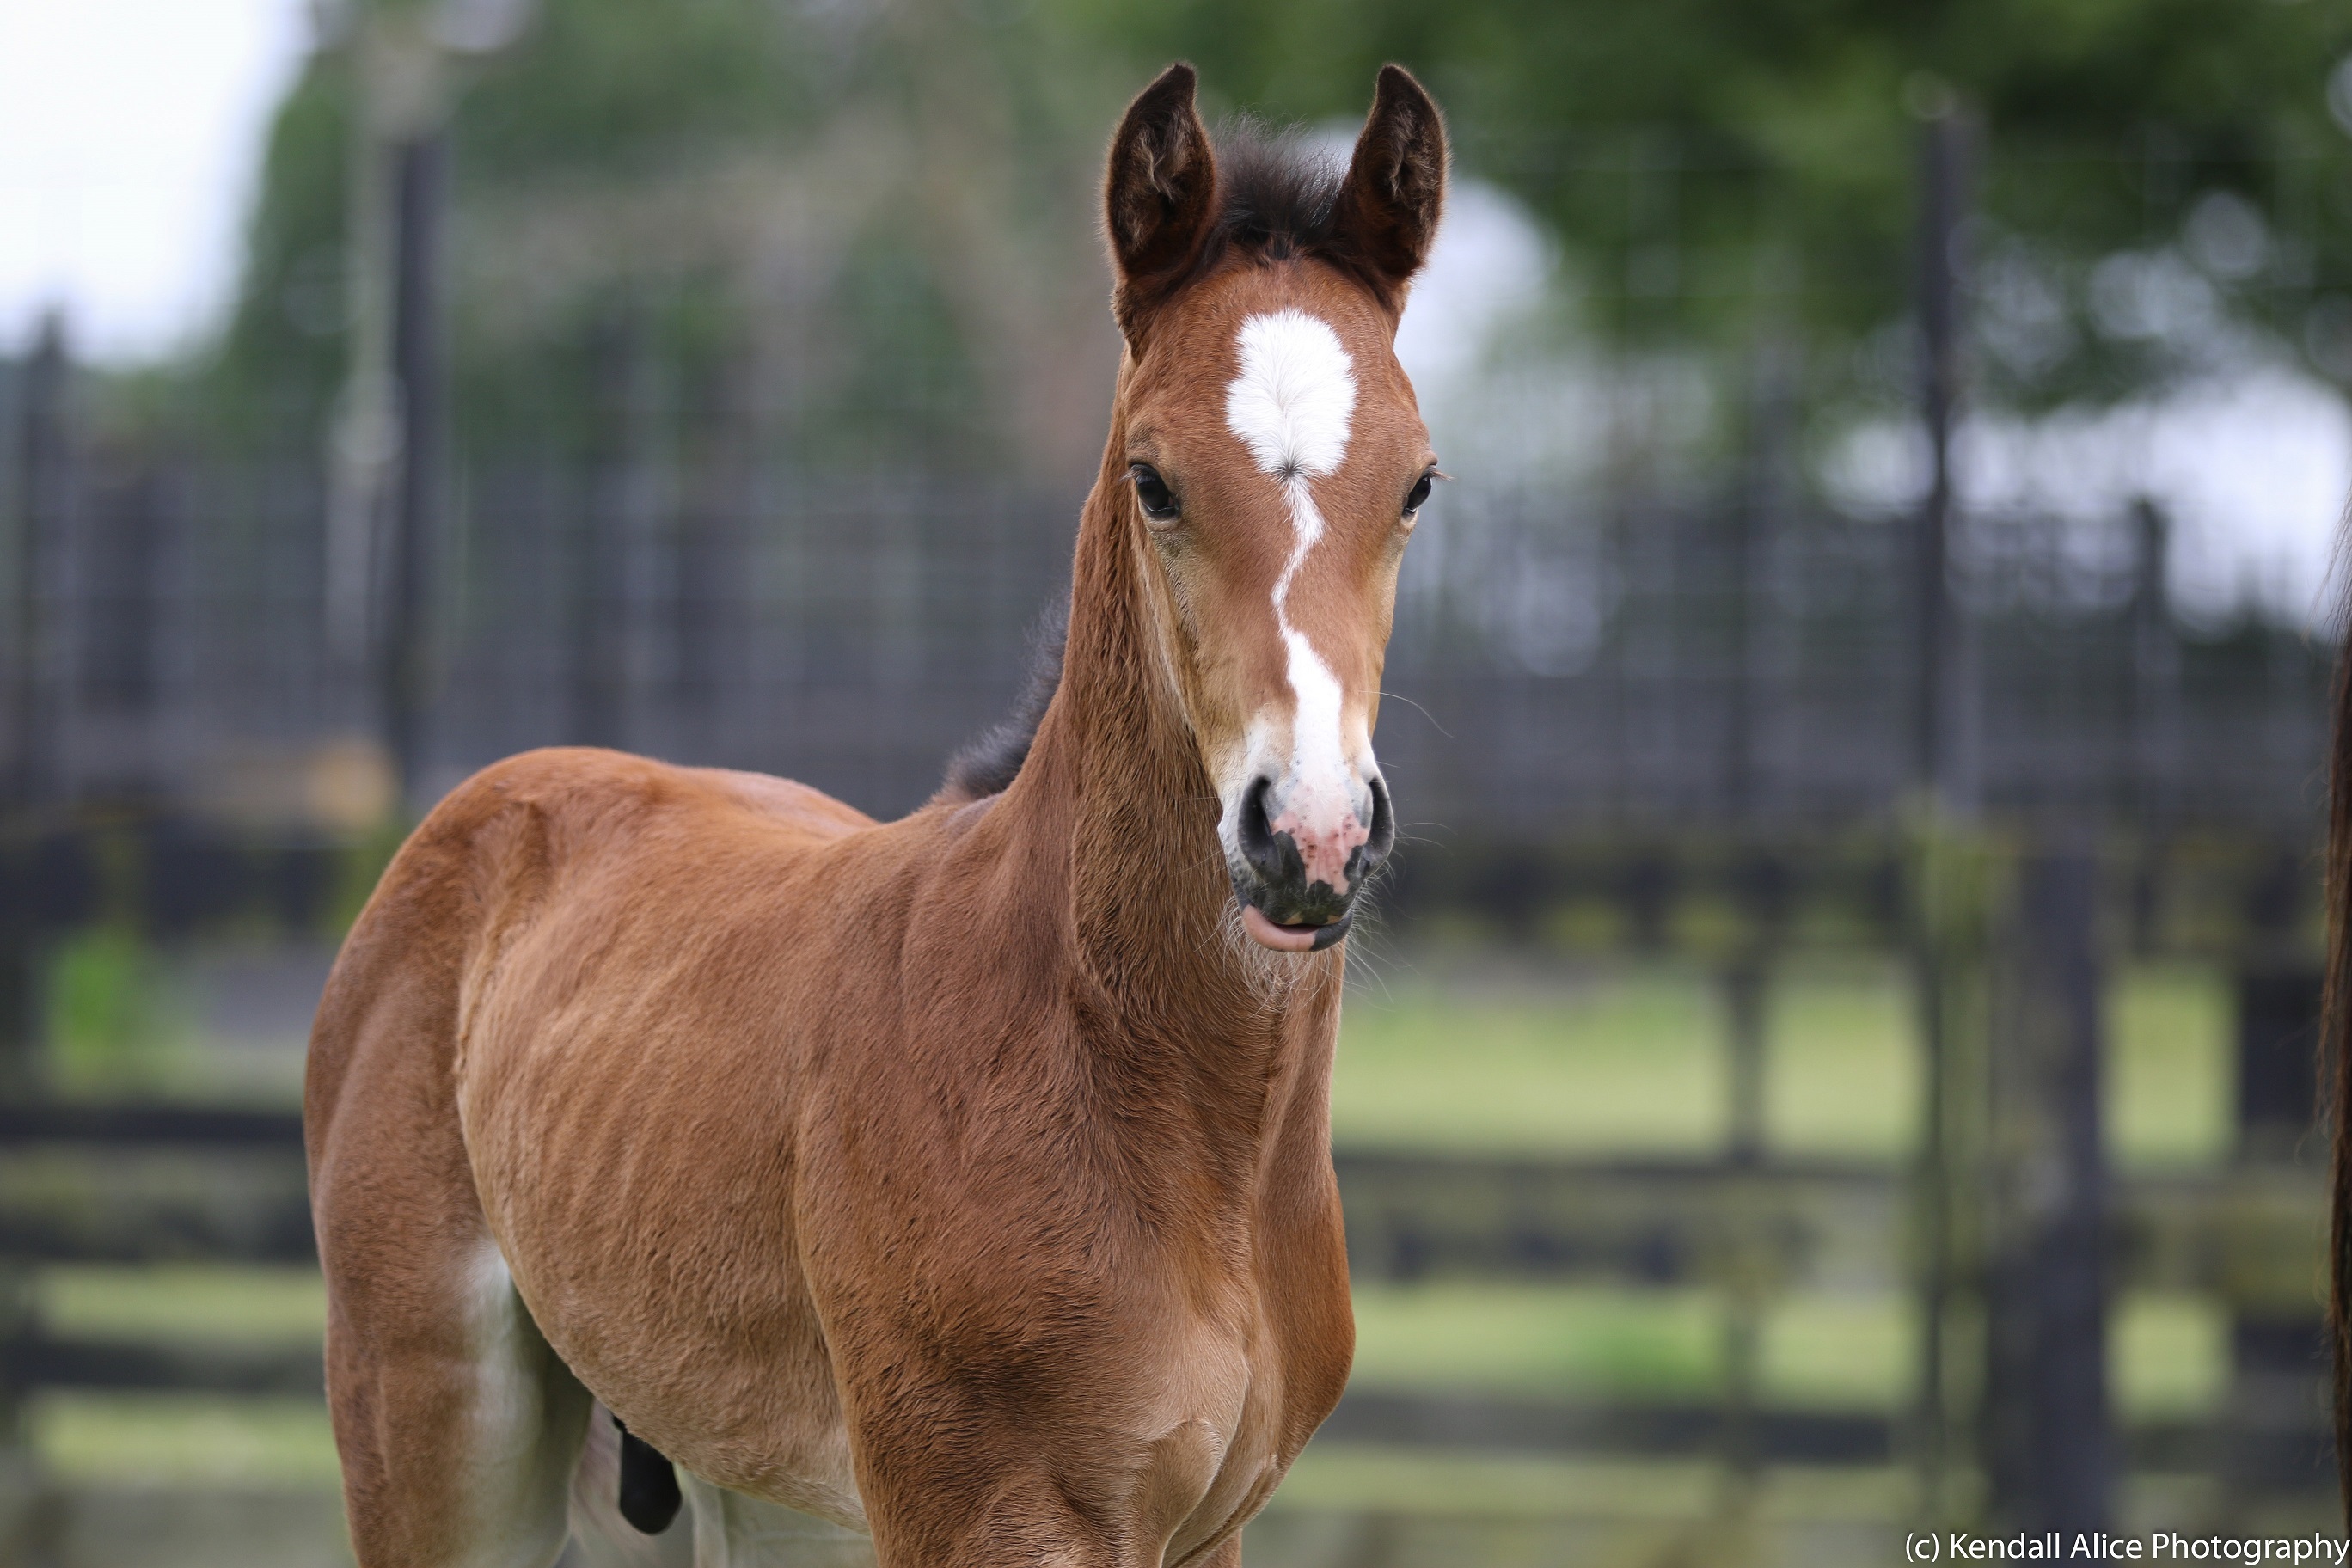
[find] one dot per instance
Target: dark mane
(1276, 195)
(988, 765)
(1277, 198)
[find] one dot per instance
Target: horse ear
(1386, 215)
(1159, 191)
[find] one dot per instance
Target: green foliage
(1716, 170)
(274, 376)
(664, 213)
(617, 86)
(1618, 1064)
(107, 1017)
(1712, 164)
(359, 867)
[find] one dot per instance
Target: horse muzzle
(1298, 871)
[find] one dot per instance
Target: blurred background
(1836, 1053)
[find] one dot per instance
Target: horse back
(486, 860)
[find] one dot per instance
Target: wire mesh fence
(1561, 663)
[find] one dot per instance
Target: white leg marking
(528, 1420)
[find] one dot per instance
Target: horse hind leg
(460, 1430)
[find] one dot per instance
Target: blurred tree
(281, 358)
(1702, 157)
(785, 208)
(835, 207)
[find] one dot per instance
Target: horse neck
(1163, 978)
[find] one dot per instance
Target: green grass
(1540, 1342)
(1618, 1064)
(1841, 1065)
(2169, 1354)
(1595, 1062)
(2170, 1091)
(1442, 1481)
(1839, 1352)
(1508, 1340)
(1624, 1062)
(195, 1302)
(183, 1439)
(170, 1439)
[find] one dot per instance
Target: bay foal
(965, 1179)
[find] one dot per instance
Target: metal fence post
(2155, 675)
(1943, 792)
(44, 483)
(45, 502)
(2049, 1450)
(1744, 996)
(614, 551)
(44, 507)
(404, 672)
(1940, 732)
(2277, 1432)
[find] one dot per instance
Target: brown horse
(965, 1179)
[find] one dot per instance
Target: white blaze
(1290, 405)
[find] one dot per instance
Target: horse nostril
(1383, 828)
(1256, 834)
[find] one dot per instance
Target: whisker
(1363, 957)
(1400, 697)
(1215, 854)
(1273, 978)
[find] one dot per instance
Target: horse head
(1274, 463)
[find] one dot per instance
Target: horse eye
(1418, 494)
(1159, 504)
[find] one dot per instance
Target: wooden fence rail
(130, 1184)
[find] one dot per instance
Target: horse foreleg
(1227, 1555)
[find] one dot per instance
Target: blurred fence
(1563, 662)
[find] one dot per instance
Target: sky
(130, 133)
(2253, 468)
(2252, 464)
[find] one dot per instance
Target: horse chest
(1229, 1395)
(1218, 1464)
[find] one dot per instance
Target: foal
(965, 1179)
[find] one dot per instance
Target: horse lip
(1327, 936)
(1321, 936)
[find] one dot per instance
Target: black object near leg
(649, 1494)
